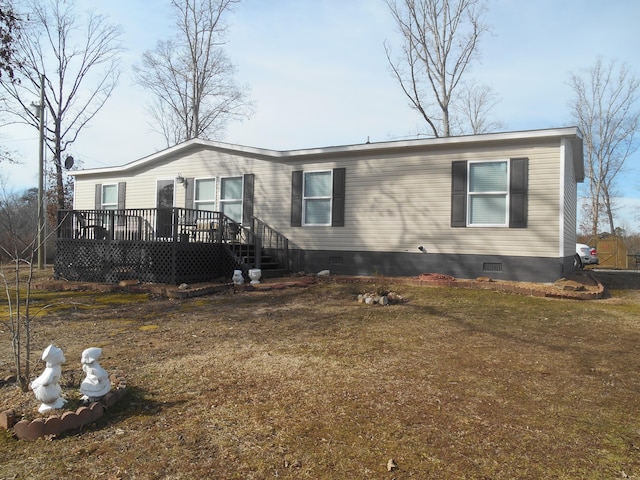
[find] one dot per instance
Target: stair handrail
(271, 240)
(234, 234)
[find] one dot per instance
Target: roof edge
(362, 147)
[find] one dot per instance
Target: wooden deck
(170, 246)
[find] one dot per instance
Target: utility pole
(41, 178)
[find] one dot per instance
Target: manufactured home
(501, 205)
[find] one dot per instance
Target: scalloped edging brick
(57, 425)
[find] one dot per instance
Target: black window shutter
(296, 198)
(247, 198)
(189, 193)
(518, 186)
(459, 193)
(98, 200)
(337, 209)
(122, 195)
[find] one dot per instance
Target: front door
(164, 203)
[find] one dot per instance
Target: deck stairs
(245, 255)
(273, 247)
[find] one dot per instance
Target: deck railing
(273, 242)
(147, 225)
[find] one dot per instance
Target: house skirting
(393, 264)
(111, 261)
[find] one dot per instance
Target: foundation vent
(492, 267)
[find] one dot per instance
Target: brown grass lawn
(307, 383)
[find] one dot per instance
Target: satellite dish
(68, 162)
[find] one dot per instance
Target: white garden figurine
(46, 387)
(237, 277)
(96, 383)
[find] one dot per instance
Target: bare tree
(605, 108)
(472, 110)
(191, 77)
(440, 40)
(18, 246)
(79, 63)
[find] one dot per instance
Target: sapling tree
(18, 253)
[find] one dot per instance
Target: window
(109, 197)
(316, 198)
(231, 198)
(205, 198)
(489, 194)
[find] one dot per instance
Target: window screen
(488, 189)
(317, 198)
(109, 197)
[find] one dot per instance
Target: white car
(585, 255)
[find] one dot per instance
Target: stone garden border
(563, 288)
(56, 425)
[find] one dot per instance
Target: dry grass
(307, 383)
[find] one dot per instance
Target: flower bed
(56, 425)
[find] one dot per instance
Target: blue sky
(319, 76)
